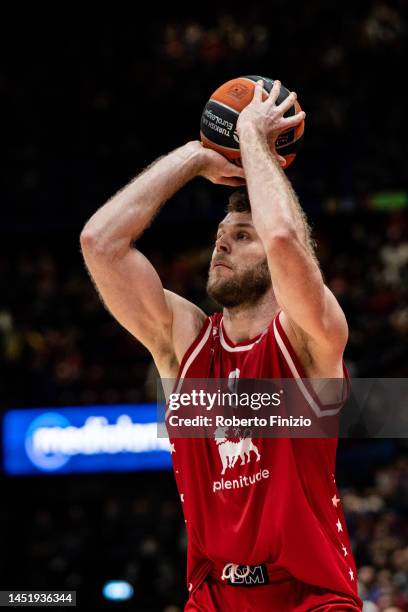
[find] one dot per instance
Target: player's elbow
(89, 239)
(99, 247)
(335, 331)
(93, 243)
(341, 334)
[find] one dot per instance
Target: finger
(289, 122)
(258, 90)
(281, 160)
(287, 103)
(231, 181)
(275, 91)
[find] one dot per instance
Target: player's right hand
(217, 169)
(266, 116)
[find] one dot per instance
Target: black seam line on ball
(224, 105)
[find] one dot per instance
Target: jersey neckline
(244, 344)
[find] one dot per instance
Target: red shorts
(289, 595)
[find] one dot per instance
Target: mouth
(220, 264)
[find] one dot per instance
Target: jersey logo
(254, 575)
(231, 451)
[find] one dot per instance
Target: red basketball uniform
(280, 508)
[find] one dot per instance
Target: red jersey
(281, 506)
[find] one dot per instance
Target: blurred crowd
(376, 519)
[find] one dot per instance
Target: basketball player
(277, 542)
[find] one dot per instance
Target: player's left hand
(266, 117)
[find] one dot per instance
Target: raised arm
(127, 282)
(308, 304)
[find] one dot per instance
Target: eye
(242, 236)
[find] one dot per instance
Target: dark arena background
(88, 102)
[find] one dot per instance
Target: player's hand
(217, 169)
(266, 117)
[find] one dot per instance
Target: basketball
(220, 115)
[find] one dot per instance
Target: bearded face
(230, 287)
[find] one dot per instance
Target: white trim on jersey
(189, 362)
(235, 349)
(193, 356)
(314, 406)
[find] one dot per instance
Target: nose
(222, 245)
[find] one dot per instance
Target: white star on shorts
(335, 501)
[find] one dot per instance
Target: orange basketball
(220, 115)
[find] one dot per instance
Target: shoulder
(188, 320)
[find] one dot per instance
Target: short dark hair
(239, 201)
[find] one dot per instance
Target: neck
(248, 320)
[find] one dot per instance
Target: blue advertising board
(83, 439)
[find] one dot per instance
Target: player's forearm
(125, 216)
(275, 208)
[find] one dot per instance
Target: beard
(246, 287)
